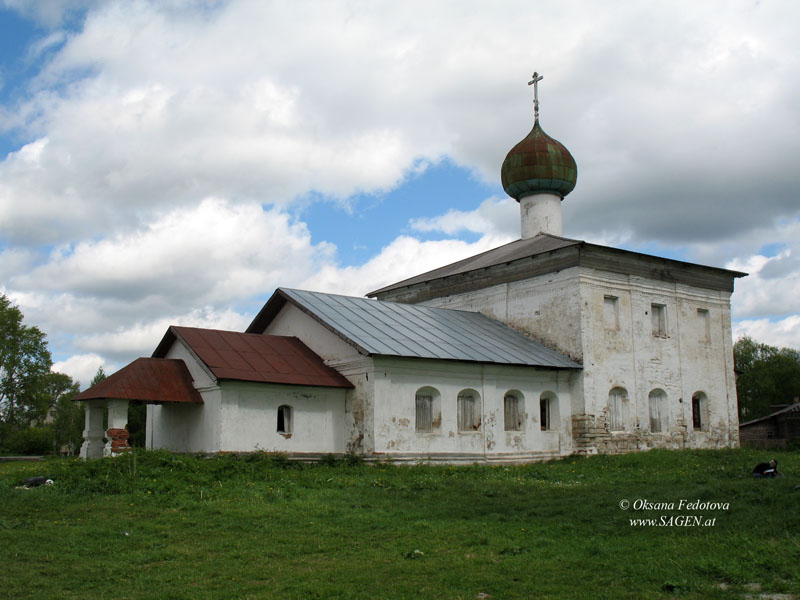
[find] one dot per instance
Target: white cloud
(157, 131)
(140, 339)
(771, 287)
(495, 216)
(83, 367)
(781, 333)
(405, 257)
(212, 253)
(152, 105)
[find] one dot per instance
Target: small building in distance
(775, 430)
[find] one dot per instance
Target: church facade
(541, 348)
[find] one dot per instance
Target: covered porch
(148, 380)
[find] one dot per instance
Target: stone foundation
(591, 435)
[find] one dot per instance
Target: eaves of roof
(789, 409)
(376, 328)
(150, 380)
(235, 356)
(573, 253)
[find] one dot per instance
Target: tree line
(37, 414)
(765, 376)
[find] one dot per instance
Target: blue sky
(174, 162)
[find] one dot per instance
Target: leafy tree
(24, 365)
(766, 375)
(68, 416)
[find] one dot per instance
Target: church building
(544, 347)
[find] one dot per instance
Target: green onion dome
(538, 164)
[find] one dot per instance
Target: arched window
(427, 410)
(617, 409)
(469, 411)
(514, 411)
(700, 411)
(284, 419)
(659, 411)
(548, 411)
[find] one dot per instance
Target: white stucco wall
(681, 362)
(291, 321)
(545, 308)
(566, 311)
(187, 427)
(249, 418)
(398, 380)
(242, 416)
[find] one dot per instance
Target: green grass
(156, 525)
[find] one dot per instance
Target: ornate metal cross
(535, 83)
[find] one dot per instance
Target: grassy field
(155, 525)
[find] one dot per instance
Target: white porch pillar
(93, 432)
(117, 433)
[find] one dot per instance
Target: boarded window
(468, 417)
(424, 413)
(513, 412)
(611, 312)
(659, 411)
(617, 409)
(284, 419)
(658, 314)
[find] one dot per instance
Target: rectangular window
(611, 312)
(704, 324)
(466, 413)
(658, 314)
(513, 418)
(424, 414)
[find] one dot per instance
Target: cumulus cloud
(781, 333)
(498, 217)
(213, 253)
(405, 257)
(166, 144)
(152, 105)
(83, 367)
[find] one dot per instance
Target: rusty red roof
(148, 380)
(254, 357)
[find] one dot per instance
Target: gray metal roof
(540, 244)
(516, 250)
(410, 330)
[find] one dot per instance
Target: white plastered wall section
(565, 311)
(681, 362)
(187, 427)
(357, 423)
(397, 382)
(249, 418)
(546, 308)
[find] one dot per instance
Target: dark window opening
(544, 413)
(284, 419)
